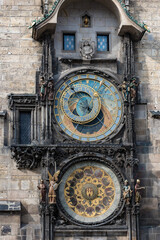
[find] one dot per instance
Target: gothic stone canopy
(127, 24)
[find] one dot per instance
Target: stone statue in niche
(42, 189)
(124, 89)
(86, 21)
(53, 186)
(133, 85)
(127, 192)
(138, 189)
(50, 90)
(43, 86)
(87, 49)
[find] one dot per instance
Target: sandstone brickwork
(19, 60)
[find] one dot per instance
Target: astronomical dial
(88, 107)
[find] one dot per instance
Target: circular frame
(110, 132)
(117, 205)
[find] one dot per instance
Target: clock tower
(82, 114)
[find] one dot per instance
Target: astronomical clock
(88, 108)
(79, 125)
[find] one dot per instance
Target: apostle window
(69, 42)
(102, 43)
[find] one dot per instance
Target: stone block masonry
(19, 60)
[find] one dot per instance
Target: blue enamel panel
(56, 102)
(58, 118)
(99, 78)
(83, 76)
(107, 133)
(117, 96)
(63, 87)
(56, 111)
(92, 76)
(119, 104)
(68, 82)
(113, 127)
(69, 42)
(107, 83)
(75, 136)
(84, 139)
(99, 137)
(119, 112)
(58, 94)
(92, 139)
(62, 126)
(117, 120)
(102, 43)
(75, 78)
(113, 89)
(68, 132)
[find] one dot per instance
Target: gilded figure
(53, 186)
(138, 189)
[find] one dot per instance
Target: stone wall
(20, 59)
(148, 128)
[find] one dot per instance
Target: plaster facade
(21, 58)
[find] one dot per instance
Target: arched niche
(126, 24)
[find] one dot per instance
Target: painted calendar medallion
(90, 192)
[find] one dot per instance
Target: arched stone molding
(126, 23)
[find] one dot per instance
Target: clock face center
(79, 104)
(84, 106)
(89, 191)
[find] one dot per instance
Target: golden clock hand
(100, 84)
(94, 95)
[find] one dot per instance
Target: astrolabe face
(89, 192)
(88, 107)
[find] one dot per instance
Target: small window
(102, 43)
(25, 127)
(68, 42)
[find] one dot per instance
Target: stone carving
(43, 85)
(27, 157)
(124, 89)
(87, 49)
(133, 85)
(20, 100)
(127, 192)
(46, 89)
(138, 189)
(50, 91)
(129, 87)
(42, 189)
(53, 185)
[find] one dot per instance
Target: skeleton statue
(87, 49)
